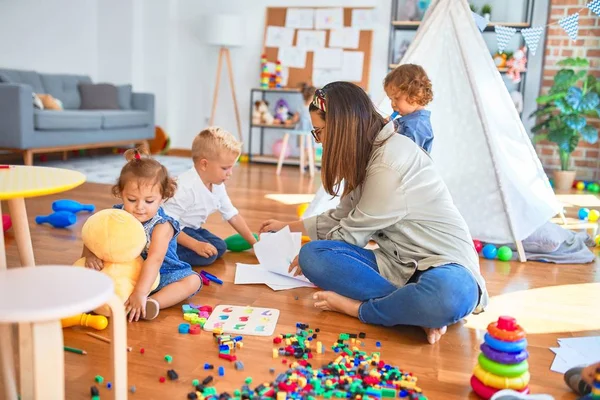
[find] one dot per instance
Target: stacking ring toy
(485, 392)
(507, 347)
(497, 332)
(510, 370)
(501, 382)
(502, 357)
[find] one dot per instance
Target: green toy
(237, 243)
(504, 253)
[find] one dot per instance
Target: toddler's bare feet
(434, 334)
(330, 301)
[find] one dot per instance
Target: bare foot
(434, 334)
(330, 301)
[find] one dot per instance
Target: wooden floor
(443, 369)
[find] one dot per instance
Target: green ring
(504, 370)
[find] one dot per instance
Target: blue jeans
(433, 298)
(201, 235)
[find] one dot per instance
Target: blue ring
(508, 347)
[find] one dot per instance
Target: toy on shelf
(261, 114)
(502, 363)
(278, 78)
(58, 219)
(237, 243)
(264, 72)
(6, 222)
(283, 115)
(118, 239)
(98, 322)
(517, 64)
(500, 60)
(71, 206)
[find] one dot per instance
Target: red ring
(485, 392)
(507, 336)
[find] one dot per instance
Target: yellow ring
(499, 382)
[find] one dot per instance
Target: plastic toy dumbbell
(98, 322)
(59, 219)
(71, 206)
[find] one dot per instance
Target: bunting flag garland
(594, 5)
(571, 25)
(532, 37)
(503, 36)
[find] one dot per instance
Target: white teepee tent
(480, 146)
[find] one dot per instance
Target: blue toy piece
(221, 371)
(583, 213)
(490, 251)
(507, 347)
(59, 219)
(71, 206)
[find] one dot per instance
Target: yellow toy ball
(301, 209)
(305, 239)
(594, 215)
(580, 186)
(244, 158)
(597, 240)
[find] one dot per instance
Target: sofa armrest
(16, 115)
(143, 102)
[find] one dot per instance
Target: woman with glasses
(425, 271)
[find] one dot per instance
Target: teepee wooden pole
(235, 103)
(217, 83)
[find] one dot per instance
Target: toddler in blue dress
(143, 186)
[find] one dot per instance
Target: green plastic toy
(237, 243)
(504, 253)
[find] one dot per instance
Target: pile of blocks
(227, 347)
(196, 315)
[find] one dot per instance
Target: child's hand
(272, 225)
(93, 262)
(589, 373)
(135, 306)
(206, 250)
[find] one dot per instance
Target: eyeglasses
(317, 134)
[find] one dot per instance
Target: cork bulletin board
(276, 16)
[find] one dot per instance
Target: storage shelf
(274, 126)
(287, 161)
(414, 25)
(291, 90)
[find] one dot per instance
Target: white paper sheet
(328, 58)
(293, 57)
(310, 40)
(322, 76)
(249, 274)
(276, 251)
(352, 66)
(278, 36)
(575, 352)
(363, 19)
(301, 18)
(329, 18)
(347, 38)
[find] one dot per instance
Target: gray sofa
(30, 130)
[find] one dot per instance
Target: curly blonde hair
(411, 80)
(145, 169)
(210, 142)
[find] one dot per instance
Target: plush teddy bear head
(117, 238)
(114, 235)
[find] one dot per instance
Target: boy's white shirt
(193, 202)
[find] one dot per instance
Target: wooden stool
(37, 298)
(304, 135)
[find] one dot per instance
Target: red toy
(478, 245)
(6, 222)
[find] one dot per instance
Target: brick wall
(558, 46)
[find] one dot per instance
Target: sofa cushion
(124, 92)
(30, 78)
(66, 120)
(64, 88)
(125, 119)
(100, 96)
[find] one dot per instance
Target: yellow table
(16, 184)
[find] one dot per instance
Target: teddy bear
(117, 238)
(517, 64)
(261, 114)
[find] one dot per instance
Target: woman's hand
(93, 262)
(135, 306)
(293, 265)
(271, 225)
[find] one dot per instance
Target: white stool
(304, 135)
(37, 298)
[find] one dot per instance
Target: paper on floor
(247, 274)
(575, 352)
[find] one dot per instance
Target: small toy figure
(261, 113)
(517, 64)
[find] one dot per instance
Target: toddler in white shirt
(201, 191)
